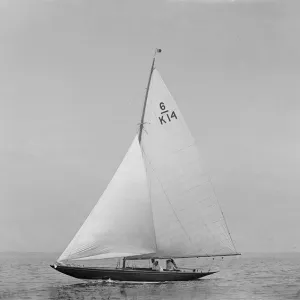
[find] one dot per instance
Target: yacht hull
(128, 274)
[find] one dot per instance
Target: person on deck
(153, 263)
(171, 265)
(157, 267)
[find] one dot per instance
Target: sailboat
(158, 205)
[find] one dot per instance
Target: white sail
(159, 202)
(121, 223)
(187, 218)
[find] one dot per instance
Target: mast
(146, 95)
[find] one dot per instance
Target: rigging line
(205, 224)
(216, 199)
(226, 232)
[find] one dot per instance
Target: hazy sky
(72, 80)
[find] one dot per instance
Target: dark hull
(142, 275)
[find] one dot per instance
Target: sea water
(260, 276)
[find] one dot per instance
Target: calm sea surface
(28, 276)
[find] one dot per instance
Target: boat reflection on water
(129, 290)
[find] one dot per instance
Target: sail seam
(184, 148)
(205, 225)
(215, 222)
(170, 203)
(217, 201)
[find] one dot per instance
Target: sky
(73, 76)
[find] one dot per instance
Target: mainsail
(159, 202)
(186, 216)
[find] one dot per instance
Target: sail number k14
(165, 115)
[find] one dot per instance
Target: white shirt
(158, 268)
